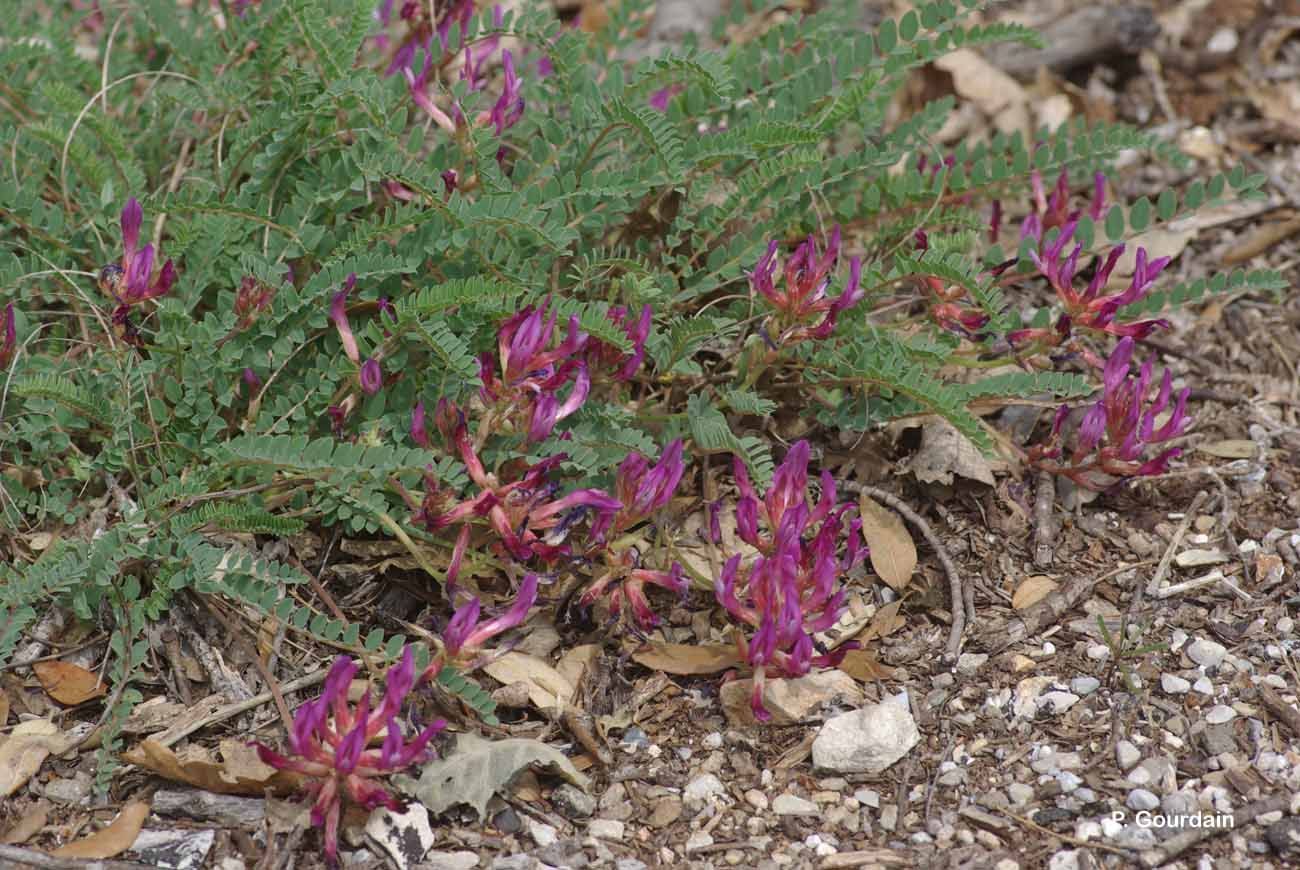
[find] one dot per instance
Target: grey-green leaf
(476, 769)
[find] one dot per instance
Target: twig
(1167, 559)
(1286, 714)
(306, 682)
(1179, 843)
(1065, 838)
(1044, 523)
(33, 858)
(949, 567)
(1000, 634)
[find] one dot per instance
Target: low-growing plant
(579, 263)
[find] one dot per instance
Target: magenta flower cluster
(1116, 431)
(791, 589)
(539, 376)
(642, 490)
(330, 740)
(1090, 308)
(802, 307)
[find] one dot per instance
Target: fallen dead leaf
(1167, 240)
(1032, 590)
(547, 687)
(893, 553)
(67, 683)
(195, 766)
(981, 82)
(884, 622)
(863, 666)
(945, 452)
(686, 659)
(25, 749)
(112, 840)
(572, 664)
(29, 825)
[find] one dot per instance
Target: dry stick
(1065, 838)
(33, 858)
(1044, 523)
(949, 568)
(1179, 843)
(1163, 568)
(1286, 714)
(239, 707)
(1002, 633)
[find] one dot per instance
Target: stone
(1200, 558)
(969, 663)
(606, 829)
(1020, 793)
(450, 861)
(72, 790)
(1219, 714)
(1206, 653)
(1172, 684)
(1084, 685)
(791, 701)
(543, 834)
(868, 797)
(1057, 702)
(666, 811)
(572, 802)
(629, 864)
(867, 740)
(175, 849)
(404, 836)
(1203, 686)
(703, 787)
(698, 840)
(786, 804)
(1066, 859)
(1126, 754)
(1141, 799)
(756, 799)
(1284, 837)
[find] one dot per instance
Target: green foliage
(271, 146)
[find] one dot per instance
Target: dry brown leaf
(884, 622)
(686, 659)
(112, 840)
(196, 766)
(547, 687)
(1032, 590)
(575, 661)
(944, 452)
(4, 707)
(863, 666)
(29, 825)
(1166, 240)
(893, 553)
(68, 683)
(25, 749)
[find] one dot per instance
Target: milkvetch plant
(461, 277)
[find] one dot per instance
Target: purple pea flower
(1113, 436)
(329, 740)
(339, 314)
(372, 376)
(637, 331)
(418, 85)
(9, 340)
(465, 635)
(803, 298)
(509, 107)
(788, 593)
(419, 434)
